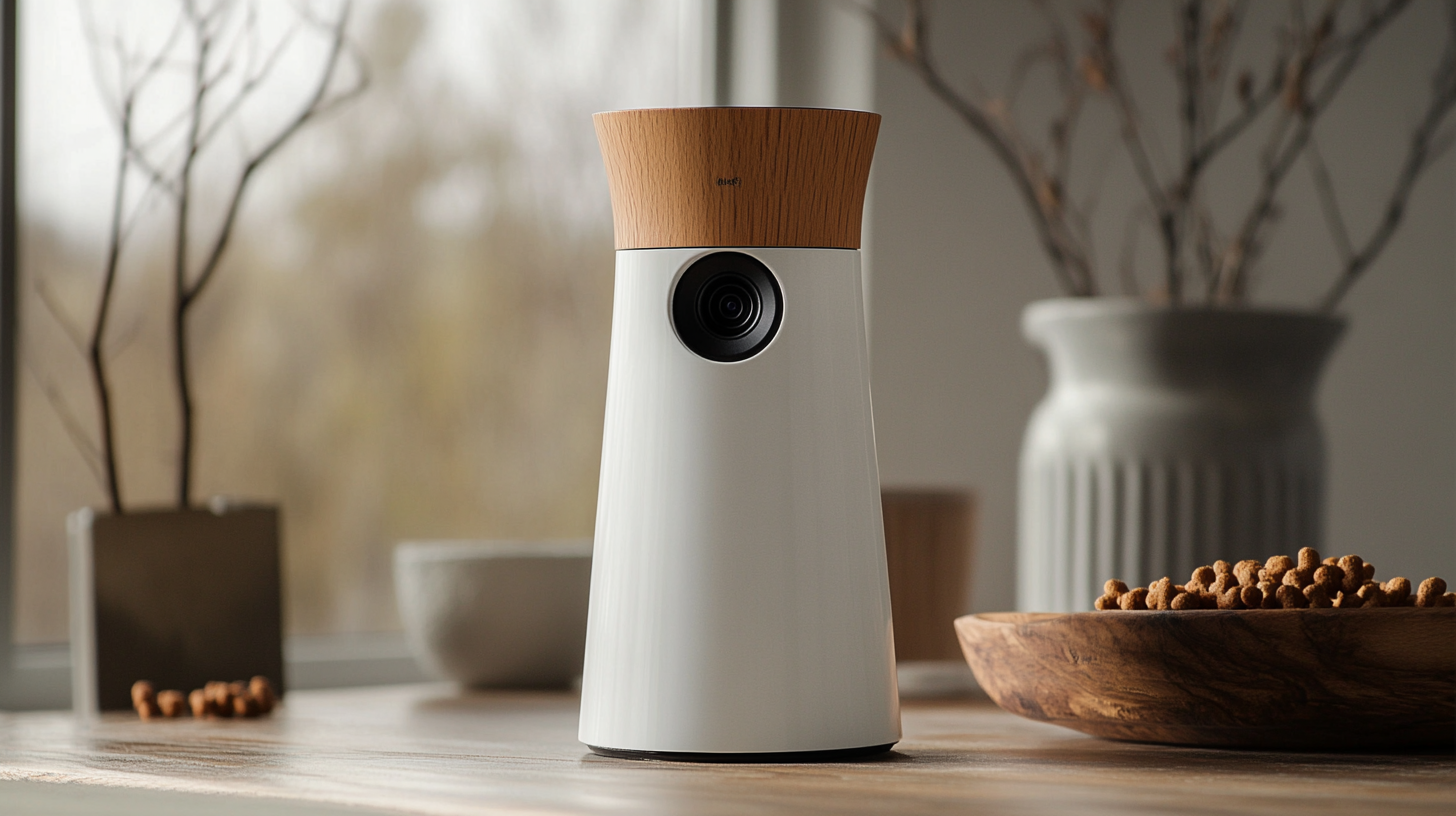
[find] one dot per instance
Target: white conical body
(739, 601)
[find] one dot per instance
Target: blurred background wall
(955, 261)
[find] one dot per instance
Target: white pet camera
(739, 603)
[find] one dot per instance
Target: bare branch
(186, 293)
(58, 313)
(1190, 79)
(1423, 149)
(1137, 215)
(909, 44)
(93, 53)
(1223, 35)
(319, 103)
(1028, 59)
(96, 353)
(1324, 187)
(1232, 278)
(1108, 66)
(202, 36)
(73, 427)
(250, 85)
(1205, 239)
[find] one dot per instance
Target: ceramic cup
(498, 614)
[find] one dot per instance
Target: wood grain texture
(928, 540)
(1312, 679)
(428, 749)
(737, 177)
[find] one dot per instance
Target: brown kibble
(1318, 596)
(197, 701)
(144, 700)
(1431, 589)
(1113, 587)
(1252, 597)
(219, 699)
(261, 688)
(1160, 594)
(142, 690)
(1372, 595)
(1134, 599)
(1330, 577)
(1299, 577)
(1281, 582)
(1202, 579)
(244, 705)
(1247, 572)
(1231, 598)
(1275, 568)
(172, 703)
(1397, 591)
(1354, 568)
(1270, 591)
(1291, 597)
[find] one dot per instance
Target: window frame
(9, 258)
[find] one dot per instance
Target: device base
(831, 755)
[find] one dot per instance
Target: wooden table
(428, 749)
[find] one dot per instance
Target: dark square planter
(176, 597)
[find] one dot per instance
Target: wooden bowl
(1312, 679)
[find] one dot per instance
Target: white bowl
(502, 614)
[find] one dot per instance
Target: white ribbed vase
(1169, 438)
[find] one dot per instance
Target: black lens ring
(729, 306)
(702, 305)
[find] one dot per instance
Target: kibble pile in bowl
(1279, 583)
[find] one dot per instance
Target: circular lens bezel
(711, 300)
(720, 338)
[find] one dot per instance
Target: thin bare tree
(1312, 60)
(220, 49)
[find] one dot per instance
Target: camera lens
(726, 307)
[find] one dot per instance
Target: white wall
(956, 260)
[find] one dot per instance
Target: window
(408, 336)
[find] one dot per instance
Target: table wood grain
(429, 749)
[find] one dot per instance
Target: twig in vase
(216, 52)
(1309, 67)
(1425, 147)
(1230, 284)
(1042, 188)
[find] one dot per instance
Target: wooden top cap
(751, 177)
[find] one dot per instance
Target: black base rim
(831, 755)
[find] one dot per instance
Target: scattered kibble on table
(1279, 583)
(216, 699)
